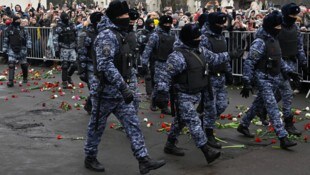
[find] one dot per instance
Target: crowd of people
(242, 19)
(189, 69)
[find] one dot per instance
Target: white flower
(73, 97)
(307, 108)
(234, 119)
(281, 113)
(145, 120)
(55, 96)
(148, 125)
(307, 114)
(258, 123)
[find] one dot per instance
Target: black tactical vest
(133, 45)
(271, 63)
(123, 60)
(67, 35)
(90, 49)
(17, 38)
(165, 47)
(195, 78)
(288, 42)
(218, 46)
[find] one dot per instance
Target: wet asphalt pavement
(31, 124)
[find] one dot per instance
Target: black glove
(83, 77)
(229, 78)
(57, 54)
(127, 95)
(143, 70)
(245, 92)
(28, 51)
(295, 77)
(161, 99)
(305, 70)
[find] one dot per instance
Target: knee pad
(65, 65)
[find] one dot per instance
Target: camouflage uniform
(66, 47)
(215, 99)
(285, 87)
(17, 50)
(266, 83)
(85, 58)
(106, 48)
(156, 66)
(185, 101)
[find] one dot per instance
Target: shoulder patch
(106, 50)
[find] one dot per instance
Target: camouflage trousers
(266, 96)
(188, 116)
(126, 114)
(215, 101)
(68, 55)
(19, 57)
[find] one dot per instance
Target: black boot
(263, 119)
(88, 105)
(285, 143)
(209, 153)
(71, 70)
(245, 131)
(153, 105)
(211, 139)
(64, 74)
(93, 164)
(146, 164)
(64, 84)
(289, 126)
(70, 80)
(166, 111)
(11, 77)
(171, 148)
(25, 72)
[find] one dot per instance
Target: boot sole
(295, 134)
(285, 147)
(246, 135)
(168, 151)
(93, 169)
(214, 158)
(152, 168)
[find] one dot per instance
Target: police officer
(86, 54)
(215, 98)
(156, 52)
(143, 35)
(263, 68)
(65, 48)
(113, 94)
(187, 68)
(17, 45)
(291, 43)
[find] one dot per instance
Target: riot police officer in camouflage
(17, 45)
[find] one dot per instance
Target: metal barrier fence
(42, 43)
(238, 44)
